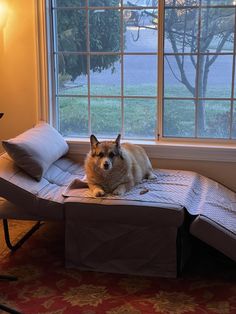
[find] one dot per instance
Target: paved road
(142, 69)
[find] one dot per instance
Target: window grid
(196, 97)
(161, 54)
(90, 53)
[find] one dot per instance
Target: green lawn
(139, 114)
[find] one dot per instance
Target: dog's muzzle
(106, 165)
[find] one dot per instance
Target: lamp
(3, 22)
(3, 14)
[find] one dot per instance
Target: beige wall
(18, 76)
(19, 88)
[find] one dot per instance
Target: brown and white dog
(115, 168)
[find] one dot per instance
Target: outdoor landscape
(203, 110)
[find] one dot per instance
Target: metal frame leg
(14, 247)
(8, 309)
(8, 277)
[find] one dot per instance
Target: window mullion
(56, 113)
(196, 100)
(160, 70)
(122, 69)
(233, 83)
(88, 67)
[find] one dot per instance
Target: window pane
(217, 27)
(181, 30)
(218, 2)
(216, 119)
(104, 30)
(140, 116)
(143, 3)
(104, 3)
(106, 117)
(140, 30)
(71, 30)
(181, 3)
(140, 75)
(105, 78)
(179, 118)
(69, 3)
(235, 80)
(73, 116)
(215, 80)
(72, 74)
(175, 86)
(234, 123)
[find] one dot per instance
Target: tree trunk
(200, 106)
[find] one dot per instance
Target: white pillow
(36, 149)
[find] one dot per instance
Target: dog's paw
(151, 176)
(120, 190)
(98, 193)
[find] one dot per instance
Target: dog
(114, 168)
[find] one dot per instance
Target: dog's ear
(93, 140)
(117, 141)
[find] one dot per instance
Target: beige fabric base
(215, 235)
(119, 238)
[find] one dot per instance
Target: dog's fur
(115, 168)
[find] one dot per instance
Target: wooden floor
(17, 228)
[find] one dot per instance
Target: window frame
(196, 98)
(162, 147)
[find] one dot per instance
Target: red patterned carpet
(208, 285)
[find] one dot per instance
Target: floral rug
(208, 284)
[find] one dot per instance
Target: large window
(145, 68)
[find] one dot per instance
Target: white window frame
(162, 147)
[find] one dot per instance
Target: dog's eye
(100, 155)
(111, 155)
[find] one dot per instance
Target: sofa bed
(140, 233)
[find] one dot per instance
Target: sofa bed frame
(137, 233)
(101, 234)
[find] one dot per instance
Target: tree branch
(219, 48)
(175, 76)
(184, 79)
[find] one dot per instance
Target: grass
(106, 117)
(140, 114)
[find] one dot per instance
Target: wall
(18, 76)
(19, 90)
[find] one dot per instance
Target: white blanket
(198, 194)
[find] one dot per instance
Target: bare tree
(192, 30)
(196, 32)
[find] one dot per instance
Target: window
(145, 68)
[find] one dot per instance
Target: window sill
(164, 150)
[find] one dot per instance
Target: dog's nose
(106, 165)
